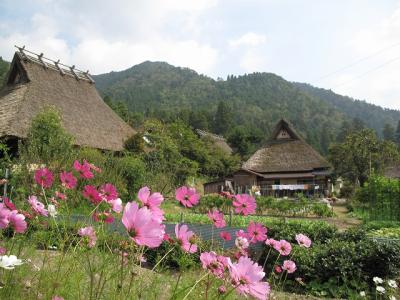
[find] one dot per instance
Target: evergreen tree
(223, 118)
(398, 134)
(389, 133)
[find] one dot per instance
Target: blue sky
(349, 46)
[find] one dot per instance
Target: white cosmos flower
(392, 283)
(377, 280)
(362, 294)
(380, 289)
(52, 210)
(392, 298)
(241, 242)
(9, 262)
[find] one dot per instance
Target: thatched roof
(33, 85)
(393, 172)
(218, 141)
(285, 151)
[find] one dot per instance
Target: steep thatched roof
(217, 140)
(286, 151)
(33, 84)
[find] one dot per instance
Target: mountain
(256, 101)
(373, 116)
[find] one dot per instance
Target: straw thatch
(32, 86)
(217, 140)
(286, 151)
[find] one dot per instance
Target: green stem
(165, 255)
(196, 283)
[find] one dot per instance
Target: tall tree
(389, 133)
(223, 118)
(398, 134)
(361, 155)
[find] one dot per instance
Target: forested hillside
(374, 116)
(241, 107)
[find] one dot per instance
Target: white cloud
(376, 78)
(249, 39)
(106, 36)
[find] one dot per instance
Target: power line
(369, 71)
(358, 61)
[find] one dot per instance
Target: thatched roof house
(217, 140)
(34, 83)
(285, 165)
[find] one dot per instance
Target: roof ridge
(49, 63)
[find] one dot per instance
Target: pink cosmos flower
(303, 240)
(222, 290)
(9, 204)
(68, 180)
(150, 199)
(225, 235)
(60, 196)
(142, 229)
(108, 191)
(271, 242)
(104, 217)
(185, 238)
(217, 218)
(242, 233)
(3, 251)
(289, 266)
(283, 247)
(256, 232)
(187, 196)
(116, 205)
(90, 192)
(246, 276)
(37, 206)
(18, 221)
(244, 204)
(44, 177)
(4, 216)
(278, 269)
(83, 169)
(92, 166)
(153, 202)
(241, 252)
(216, 264)
(90, 234)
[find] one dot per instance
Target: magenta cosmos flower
(246, 276)
(289, 266)
(244, 204)
(142, 229)
(303, 240)
(83, 169)
(89, 234)
(17, 220)
(108, 192)
(152, 201)
(225, 235)
(37, 206)
(256, 232)
(4, 216)
(216, 264)
(90, 192)
(187, 196)
(44, 177)
(68, 180)
(185, 238)
(217, 218)
(283, 247)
